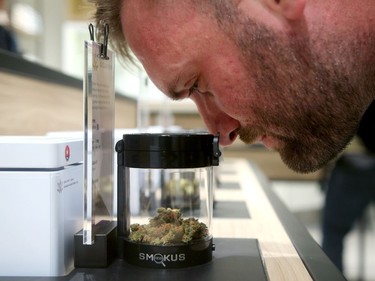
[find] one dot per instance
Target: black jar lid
(169, 150)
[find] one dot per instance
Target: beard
(313, 106)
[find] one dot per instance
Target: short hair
(108, 12)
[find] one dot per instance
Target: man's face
(245, 79)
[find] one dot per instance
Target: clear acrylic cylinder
(165, 198)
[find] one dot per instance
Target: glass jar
(165, 198)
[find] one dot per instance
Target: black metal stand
(102, 252)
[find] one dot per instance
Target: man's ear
(289, 9)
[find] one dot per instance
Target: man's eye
(194, 88)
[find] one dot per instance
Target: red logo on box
(67, 153)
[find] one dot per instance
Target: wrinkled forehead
(150, 29)
(163, 37)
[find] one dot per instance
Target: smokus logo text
(162, 258)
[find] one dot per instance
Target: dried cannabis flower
(168, 228)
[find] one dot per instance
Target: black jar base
(175, 256)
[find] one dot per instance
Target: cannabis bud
(168, 228)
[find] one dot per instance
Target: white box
(41, 208)
(44, 152)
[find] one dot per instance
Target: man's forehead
(151, 34)
(165, 44)
(138, 18)
(156, 7)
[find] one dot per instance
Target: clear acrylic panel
(99, 107)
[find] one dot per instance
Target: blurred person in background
(8, 40)
(350, 189)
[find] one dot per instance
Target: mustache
(249, 135)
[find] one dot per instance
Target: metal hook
(91, 30)
(104, 45)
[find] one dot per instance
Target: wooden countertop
(281, 260)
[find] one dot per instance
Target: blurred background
(52, 34)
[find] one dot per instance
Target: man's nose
(227, 127)
(217, 121)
